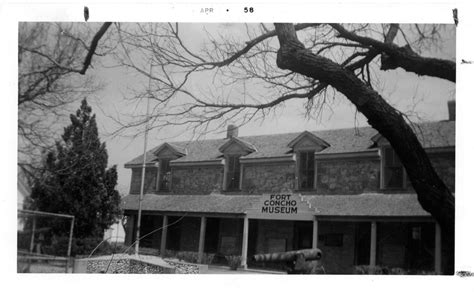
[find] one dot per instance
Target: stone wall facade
(125, 264)
(194, 180)
(151, 175)
(268, 178)
(445, 166)
(333, 176)
(186, 268)
(347, 176)
(356, 176)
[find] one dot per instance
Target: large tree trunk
(433, 194)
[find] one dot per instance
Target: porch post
(130, 226)
(202, 237)
(315, 233)
(437, 264)
(164, 232)
(373, 244)
(245, 240)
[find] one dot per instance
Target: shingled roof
(373, 204)
(191, 203)
(363, 205)
(431, 135)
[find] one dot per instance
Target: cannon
(303, 261)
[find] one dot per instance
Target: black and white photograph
(245, 148)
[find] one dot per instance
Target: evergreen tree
(76, 180)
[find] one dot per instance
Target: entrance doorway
(303, 233)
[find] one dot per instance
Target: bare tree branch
(404, 57)
(93, 46)
(50, 63)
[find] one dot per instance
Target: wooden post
(130, 224)
(32, 242)
(164, 232)
(373, 244)
(33, 230)
(437, 263)
(315, 233)
(71, 230)
(245, 242)
(202, 237)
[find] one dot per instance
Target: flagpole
(142, 185)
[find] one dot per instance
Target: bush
(368, 270)
(169, 254)
(233, 261)
(80, 246)
(209, 258)
(84, 246)
(188, 256)
(382, 270)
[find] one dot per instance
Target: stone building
(343, 191)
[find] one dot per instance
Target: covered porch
(360, 245)
(203, 238)
(368, 230)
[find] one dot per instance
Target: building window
(233, 173)
(393, 173)
(165, 175)
(306, 170)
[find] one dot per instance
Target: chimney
(232, 131)
(452, 109)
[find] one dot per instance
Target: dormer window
(305, 145)
(233, 150)
(233, 172)
(164, 175)
(306, 169)
(165, 154)
(393, 173)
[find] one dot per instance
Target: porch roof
(214, 203)
(370, 205)
(363, 205)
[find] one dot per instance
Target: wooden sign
(282, 206)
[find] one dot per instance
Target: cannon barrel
(309, 254)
